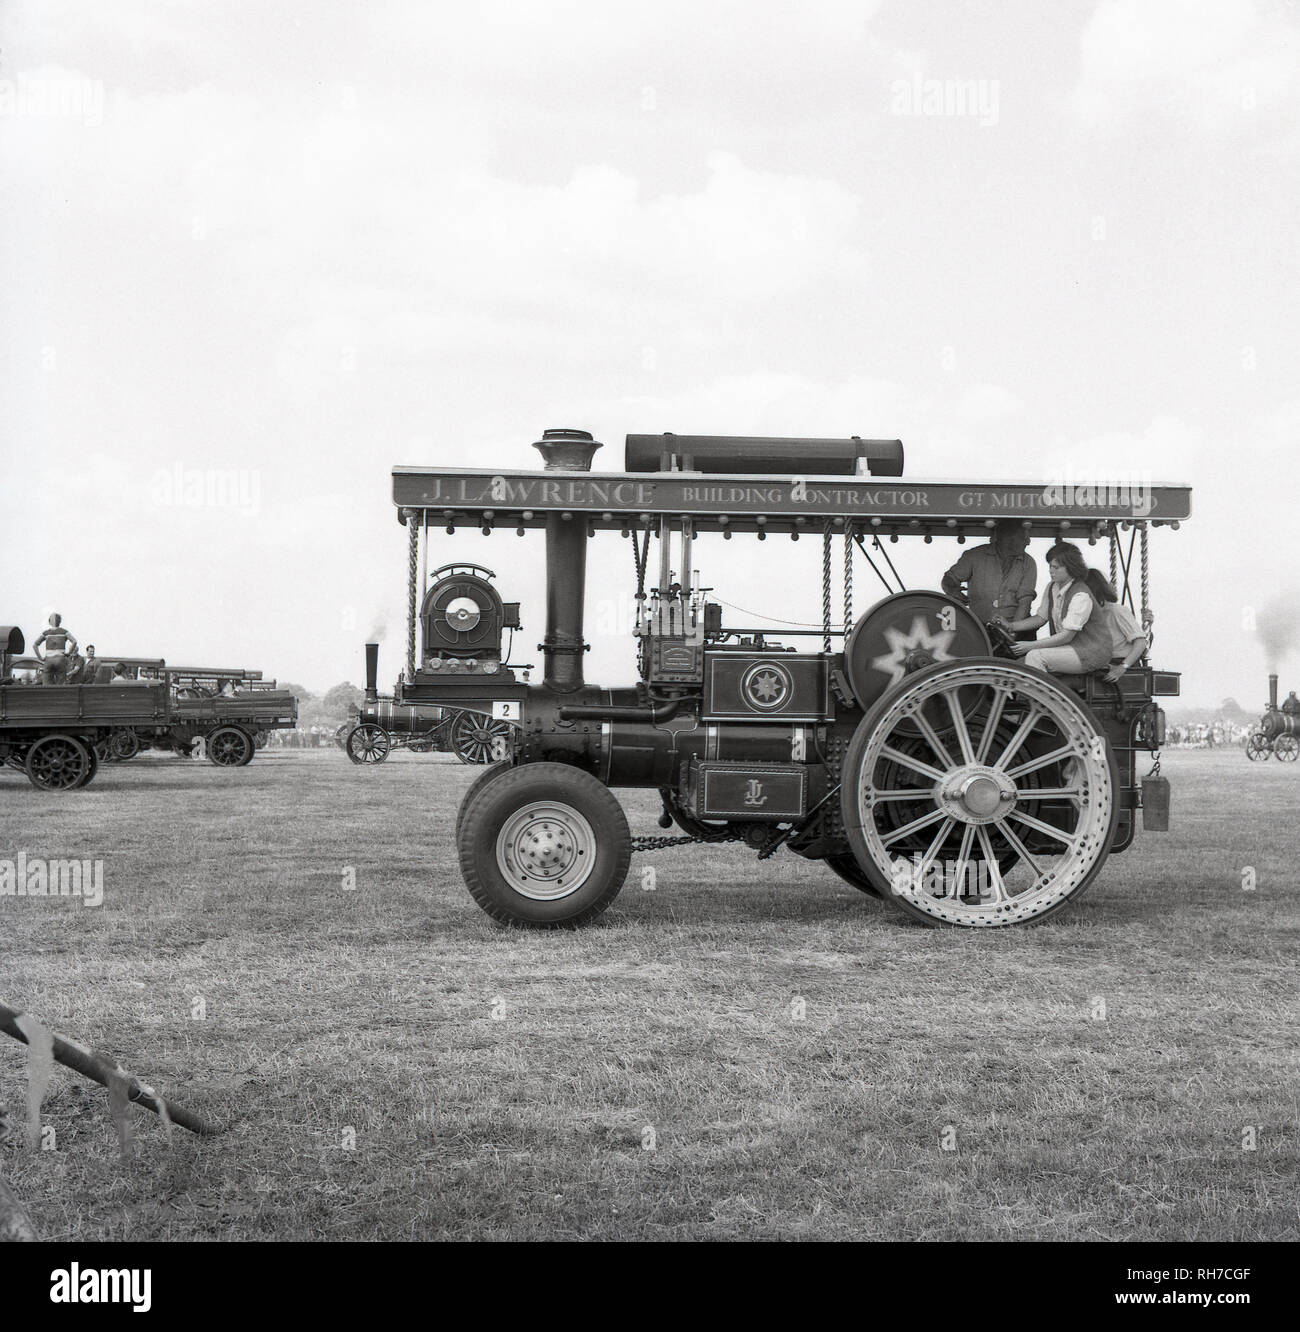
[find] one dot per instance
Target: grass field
(749, 1049)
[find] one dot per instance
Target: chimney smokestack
(372, 672)
(1272, 693)
(566, 565)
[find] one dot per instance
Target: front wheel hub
(976, 794)
(546, 851)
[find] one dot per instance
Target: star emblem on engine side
(766, 686)
(919, 638)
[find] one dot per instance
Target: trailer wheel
(229, 747)
(59, 763)
(93, 768)
(474, 737)
(980, 793)
(543, 845)
(1286, 747)
(123, 744)
(367, 743)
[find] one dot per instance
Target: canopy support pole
(414, 520)
(826, 586)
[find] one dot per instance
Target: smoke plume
(1279, 628)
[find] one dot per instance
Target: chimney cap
(567, 450)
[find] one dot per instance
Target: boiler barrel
(1280, 723)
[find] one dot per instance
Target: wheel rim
(546, 850)
(228, 749)
(124, 745)
(368, 744)
(58, 763)
(983, 797)
(475, 735)
(1286, 747)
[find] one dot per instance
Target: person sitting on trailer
(120, 676)
(76, 667)
(1128, 644)
(999, 576)
(1079, 640)
(227, 689)
(58, 642)
(1291, 705)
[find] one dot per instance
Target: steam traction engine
(462, 621)
(914, 759)
(1278, 732)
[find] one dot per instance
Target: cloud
(982, 404)
(1214, 64)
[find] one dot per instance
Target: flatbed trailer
(59, 734)
(56, 733)
(225, 728)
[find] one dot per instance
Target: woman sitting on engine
(1080, 639)
(1128, 644)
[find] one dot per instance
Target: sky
(256, 253)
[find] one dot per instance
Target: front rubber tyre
(544, 845)
(489, 774)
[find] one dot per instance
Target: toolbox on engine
(774, 792)
(754, 686)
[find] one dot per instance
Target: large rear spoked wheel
(980, 793)
(544, 845)
(1286, 747)
(848, 869)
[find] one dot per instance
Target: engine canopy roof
(754, 502)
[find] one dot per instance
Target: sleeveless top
(1092, 641)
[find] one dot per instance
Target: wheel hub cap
(976, 794)
(546, 851)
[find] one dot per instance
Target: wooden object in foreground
(98, 1069)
